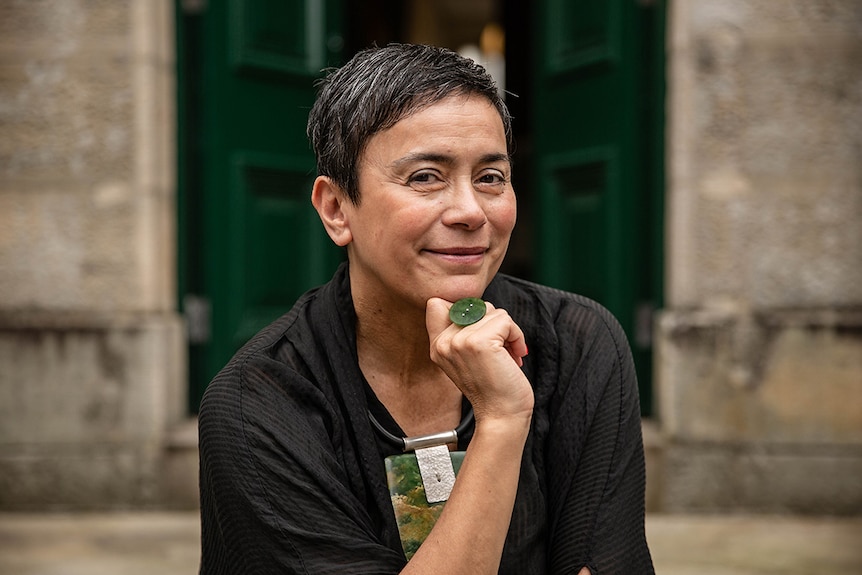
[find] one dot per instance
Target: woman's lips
(459, 251)
(461, 255)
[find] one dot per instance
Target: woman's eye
(425, 179)
(491, 179)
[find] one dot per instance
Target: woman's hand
(483, 359)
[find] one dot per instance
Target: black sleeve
(275, 494)
(596, 448)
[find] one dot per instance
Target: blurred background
(694, 165)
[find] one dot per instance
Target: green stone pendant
(414, 514)
(467, 311)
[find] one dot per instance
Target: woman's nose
(464, 207)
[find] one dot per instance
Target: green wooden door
(259, 243)
(597, 85)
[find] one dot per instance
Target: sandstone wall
(759, 362)
(91, 350)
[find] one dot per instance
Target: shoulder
(290, 363)
(539, 307)
(576, 346)
(301, 331)
(267, 369)
(274, 341)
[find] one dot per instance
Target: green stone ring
(467, 311)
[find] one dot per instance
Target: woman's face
(437, 206)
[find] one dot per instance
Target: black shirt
(292, 473)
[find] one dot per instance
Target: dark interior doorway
(514, 40)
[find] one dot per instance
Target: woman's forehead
(471, 117)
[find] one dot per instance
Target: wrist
(509, 428)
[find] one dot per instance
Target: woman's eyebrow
(419, 157)
(445, 159)
(492, 158)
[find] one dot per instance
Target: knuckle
(441, 347)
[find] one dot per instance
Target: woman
(413, 147)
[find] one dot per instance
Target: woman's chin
(460, 289)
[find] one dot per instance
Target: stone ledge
(180, 468)
(654, 456)
(803, 479)
(102, 475)
(680, 320)
(91, 477)
(786, 376)
(63, 320)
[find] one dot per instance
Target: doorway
(601, 236)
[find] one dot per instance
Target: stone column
(759, 362)
(91, 346)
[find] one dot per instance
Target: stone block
(42, 477)
(66, 90)
(654, 459)
(765, 189)
(179, 483)
(93, 380)
(709, 477)
(87, 204)
(67, 249)
(86, 405)
(770, 377)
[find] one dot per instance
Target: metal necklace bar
(432, 456)
(432, 440)
(401, 442)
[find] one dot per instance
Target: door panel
(579, 184)
(279, 247)
(580, 34)
(278, 36)
(261, 243)
(595, 179)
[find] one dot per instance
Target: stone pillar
(759, 362)
(91, 346)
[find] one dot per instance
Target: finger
(517, 348)
(497, 325)
(437, 316)
(513, 337)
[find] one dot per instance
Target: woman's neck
(392, 335)
(393, 349)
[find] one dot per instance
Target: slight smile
(461, 255)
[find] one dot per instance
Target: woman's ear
(329, 201)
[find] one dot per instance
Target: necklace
(422, 441)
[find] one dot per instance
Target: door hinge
(193, 6)
(198, 314)
(644, 317)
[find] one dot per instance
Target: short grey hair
(379, 87)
